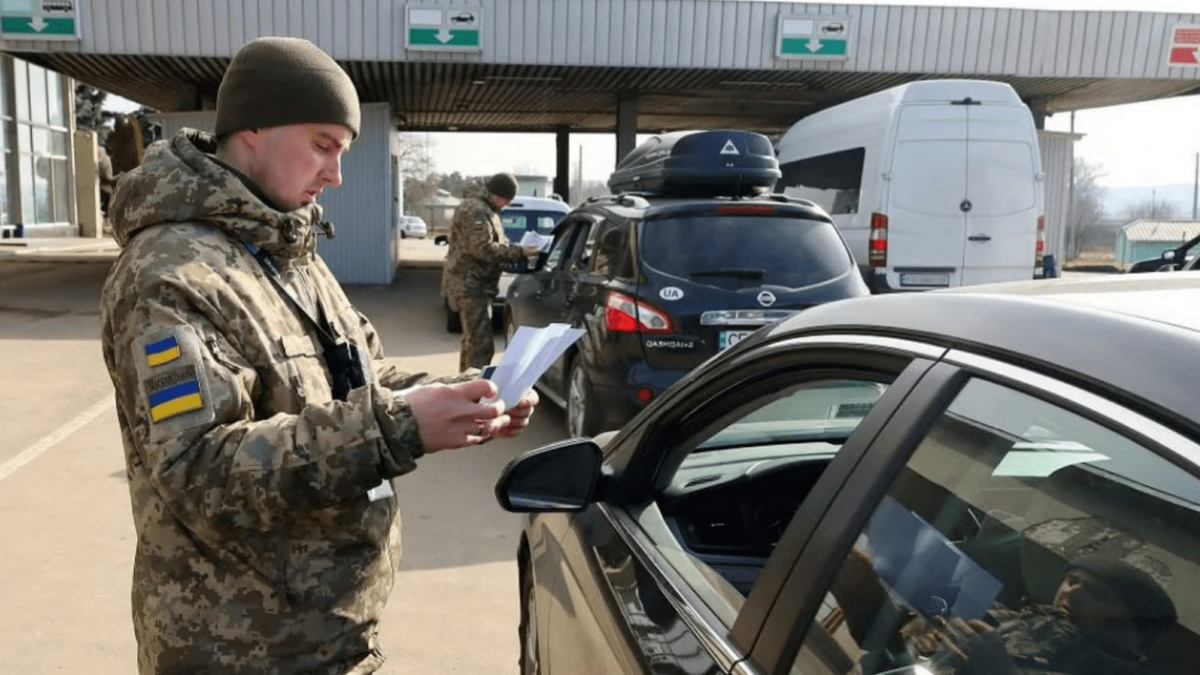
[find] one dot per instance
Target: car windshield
(732, 250)
(517, 223)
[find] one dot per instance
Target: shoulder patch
(173, 380)
(174, 392)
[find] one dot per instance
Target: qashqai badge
(766, 298)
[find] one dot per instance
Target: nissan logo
(766, 298)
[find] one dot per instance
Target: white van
(932, 184)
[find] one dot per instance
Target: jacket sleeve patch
(174, 393)
(173, 380)
(162, 351)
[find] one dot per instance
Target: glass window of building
(41, 159)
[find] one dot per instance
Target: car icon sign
(463, 17)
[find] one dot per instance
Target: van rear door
(1002, 195)
(926, 228)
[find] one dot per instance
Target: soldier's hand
(453, 415)
(530, 251)
(519, 415)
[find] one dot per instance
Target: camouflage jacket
(478, 249)
(258, 549)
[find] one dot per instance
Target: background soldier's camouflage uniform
(258, 549)
(471, 276)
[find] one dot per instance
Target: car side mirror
(1169, 255)
(558, 477)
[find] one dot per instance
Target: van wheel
(403, 236)
(497, 319)
(441, 240)
(582, 417)
(453, 321)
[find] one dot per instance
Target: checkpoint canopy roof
(529, 65)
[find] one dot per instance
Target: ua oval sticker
(671, 293)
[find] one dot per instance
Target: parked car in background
(1181, 257)
(690, 256)
(413, 226)
(842, 491)
(933, 183)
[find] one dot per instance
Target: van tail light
(623, 314)
(1040, 247)
(877, 243)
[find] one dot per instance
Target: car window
(610, 251)
(560, 248)
(722, 250)
(1020, 537)
(748, 471)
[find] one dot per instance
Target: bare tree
(1087, 209)
(1153, 209)
(416, 166)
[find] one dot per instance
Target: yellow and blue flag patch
(174, 393)
(163, 351)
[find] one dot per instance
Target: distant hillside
(1118, 200)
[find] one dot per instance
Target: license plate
(915, 279)
(729, 338)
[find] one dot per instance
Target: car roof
(520, 203)
(1132, 335)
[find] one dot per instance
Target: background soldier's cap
(276, 81)
(503, 185)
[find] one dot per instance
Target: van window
(517, 223)
(833, 181)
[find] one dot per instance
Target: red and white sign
(1185, 46)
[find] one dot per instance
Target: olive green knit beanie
(275, 81)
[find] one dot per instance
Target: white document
(530, 352)
(541, 241)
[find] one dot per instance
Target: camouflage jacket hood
(180, 181)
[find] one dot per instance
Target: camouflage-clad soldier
(268, 536)
(478, 252)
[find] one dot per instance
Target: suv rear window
(727, 251)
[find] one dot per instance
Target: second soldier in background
(478, 253)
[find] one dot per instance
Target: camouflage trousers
(478, 347)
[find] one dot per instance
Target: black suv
(664, 276)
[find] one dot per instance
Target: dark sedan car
(993, 480)
(1181, 257)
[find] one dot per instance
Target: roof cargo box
(724, 162)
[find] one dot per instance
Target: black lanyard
(320, 323)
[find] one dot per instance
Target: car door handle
(979, 237)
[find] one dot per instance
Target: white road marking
(37, 449)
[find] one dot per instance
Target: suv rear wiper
(735, 273)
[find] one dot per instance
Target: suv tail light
(1040, 247)
(877, 243)
(623, 314)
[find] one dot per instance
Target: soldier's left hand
(518, 416)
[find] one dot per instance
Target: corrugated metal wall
(1058, 161)
(649, 33)
(362, 252)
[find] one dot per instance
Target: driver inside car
(1103, 619)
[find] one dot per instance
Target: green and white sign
(39, 19)
(444, 29)
(813, 37)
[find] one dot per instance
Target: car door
(554, 288)
(1001, 521)
(655, 579)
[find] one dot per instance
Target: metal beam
(562, 175)
(627, 111)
